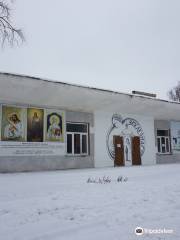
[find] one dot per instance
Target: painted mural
(35, 120)
(13, 124)
(54, 126)
(127, 128)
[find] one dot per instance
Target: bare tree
(8, 33)
(174, 93)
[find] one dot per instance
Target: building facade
(47, 125)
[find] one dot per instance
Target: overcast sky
(122, 45)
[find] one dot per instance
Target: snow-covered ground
(62, 205)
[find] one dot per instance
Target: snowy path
(61, 205)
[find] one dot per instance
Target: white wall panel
(103, 121)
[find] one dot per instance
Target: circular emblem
(121, 126)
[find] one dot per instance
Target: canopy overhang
(32, 91)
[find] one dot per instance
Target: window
(163, 141)
(77, 138)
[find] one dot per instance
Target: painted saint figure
(127, 149)
(54, 129)
(13, 130)
(35, 126)
(127, 135)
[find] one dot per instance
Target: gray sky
(121, 45)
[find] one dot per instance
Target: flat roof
(30, 90)
(84, 86)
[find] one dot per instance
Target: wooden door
(136, 151)
(118, 150)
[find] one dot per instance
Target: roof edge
(87, 87)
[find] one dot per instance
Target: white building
(47, 125)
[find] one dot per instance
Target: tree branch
(8, 33)
(174, 93)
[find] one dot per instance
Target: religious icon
(35, 125)
(54, 130)
(13, 124)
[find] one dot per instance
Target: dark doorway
(136, 152)
(118, 150)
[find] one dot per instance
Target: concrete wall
(173, 157)
(169, 158)
(102, 124)
(40, 163)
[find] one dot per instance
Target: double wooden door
(119, 151)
